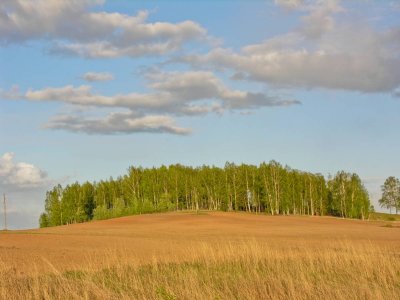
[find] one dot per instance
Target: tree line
(267, 188)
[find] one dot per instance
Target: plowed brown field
(168, 236)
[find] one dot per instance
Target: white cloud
(21, 174)
(290, 4)
(320, 18)
(95, 76)
(324, 51)
(171, 94)
(76, 30)
(116, 123)
(108, 50)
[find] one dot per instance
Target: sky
(91, 87)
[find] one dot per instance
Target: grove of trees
(268, 188)
(391, 194)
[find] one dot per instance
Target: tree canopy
(267, 188)
(391, 194)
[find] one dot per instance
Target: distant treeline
(267, 188)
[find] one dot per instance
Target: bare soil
(147, 238)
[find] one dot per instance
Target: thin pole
(5, 211)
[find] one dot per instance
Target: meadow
(205, 255)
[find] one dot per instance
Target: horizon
(90, 88)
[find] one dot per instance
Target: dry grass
(244, 259)
(227, 271)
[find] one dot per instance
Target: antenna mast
(5, 211)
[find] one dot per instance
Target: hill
(267, 188)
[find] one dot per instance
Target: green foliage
(164, 294)
(348, 197)
(43, 220)
(384, 217)
(371, 209)
(391, 194)
(101, 213)
(267, 188)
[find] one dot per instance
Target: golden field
(206, 255)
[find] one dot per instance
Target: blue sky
(88, 88)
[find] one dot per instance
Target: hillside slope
(169, 235)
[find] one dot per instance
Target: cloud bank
(327, 50)
(116, 123)
(74, 29)
(20, 174)
(172, 94)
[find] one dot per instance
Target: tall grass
(241, 270)
(383, 217)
